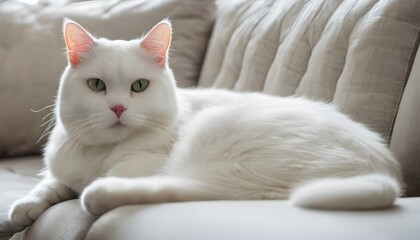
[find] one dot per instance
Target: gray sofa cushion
(17, 177)
(64, 221)
(12, 187)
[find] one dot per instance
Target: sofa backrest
(355, 54)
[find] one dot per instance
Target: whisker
(42, 109)
(46, 131)
(47, 122)
(48, 114)
(78, 130)
(157, 127)
(90, 133)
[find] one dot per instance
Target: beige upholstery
(245, 220)
(70, 222)
(17, 177)
(405, 143)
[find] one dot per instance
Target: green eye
(96, 84)
(139, 85)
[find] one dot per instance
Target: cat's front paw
(103, 195)
(26, 210)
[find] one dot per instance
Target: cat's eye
(96, 84)
(139, 85)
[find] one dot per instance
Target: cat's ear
(78, 41)
(157, 42)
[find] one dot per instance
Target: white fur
(358, 192)
(206, 144)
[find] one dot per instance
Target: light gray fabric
(252, 220)
(328, 57)
(225, 220)
(349, 52)
(28, 166)
(377, 61)
(12, 187)
(17, 177)
(64, 221)
(32, 47)
(405, 142)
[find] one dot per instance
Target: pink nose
(118, 110)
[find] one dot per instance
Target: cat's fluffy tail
(359, 192)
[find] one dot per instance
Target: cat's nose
(118, 110)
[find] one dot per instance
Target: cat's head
(111, 89)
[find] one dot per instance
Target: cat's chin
(118, 125)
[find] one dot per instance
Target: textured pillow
(32, 52)
(356, 54)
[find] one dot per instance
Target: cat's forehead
(119, 59)
(116, 48)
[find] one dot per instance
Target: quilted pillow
(32, 52)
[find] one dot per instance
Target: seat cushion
(226, 220)
(255, 220)
(64, 221)
(17, 177)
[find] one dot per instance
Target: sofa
(359, 55)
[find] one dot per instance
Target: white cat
(124, 134)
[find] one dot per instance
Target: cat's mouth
(118, 125)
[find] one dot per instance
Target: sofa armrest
(65, 221)
(248, 220)
(405, 141)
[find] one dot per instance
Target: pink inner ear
(157, 42)
(78, 41)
